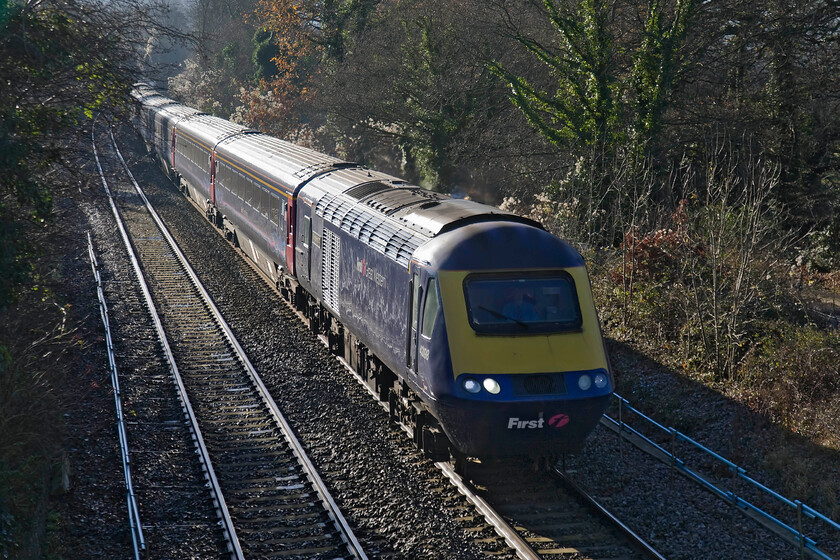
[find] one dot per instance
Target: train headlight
(600, 380)
(492, 386)
(584, 382)
(471, 386)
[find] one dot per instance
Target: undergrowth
(30, 424)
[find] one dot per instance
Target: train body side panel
(192, 161)
(371, 292)
(255, 208)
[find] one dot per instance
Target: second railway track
(278, 505)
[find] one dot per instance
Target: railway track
(539, 513)
(177, 513)
(270, 499)
(546, 512)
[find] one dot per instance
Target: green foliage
(435, 112)
(659, 64)
(265, 50)
(589, 106)
(57, 74)
(582, 111)
(341, 21)
(604, 103)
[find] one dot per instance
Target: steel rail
(332, 509)
(638, 542)
(502, 528)
(215, 489)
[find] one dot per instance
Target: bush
(792, 377)
(31, 440)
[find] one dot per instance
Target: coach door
(416, 288)
(425, 311)
(289, 215)
(303, 246)
(213, 178)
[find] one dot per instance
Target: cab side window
(431, 308)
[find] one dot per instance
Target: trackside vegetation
(690, 149)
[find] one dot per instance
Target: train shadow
(787, 461)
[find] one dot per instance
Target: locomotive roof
(178, 111)
(391, 216)
(498, 246)
(425, 212)
(164, 107)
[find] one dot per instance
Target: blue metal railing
(794, 535)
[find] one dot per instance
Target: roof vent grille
(366, 189)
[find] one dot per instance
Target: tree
(765, 83)
(222, 61)
(61, 63)
(582, 109)
(601, 103)
(414, 93)
(658, 66)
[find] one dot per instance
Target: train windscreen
(522, 303)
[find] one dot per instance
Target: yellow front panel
(534, 353)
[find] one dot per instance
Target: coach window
(431, 308)
(522, 303)
(415, 312)
(249, 193)
(274, 209)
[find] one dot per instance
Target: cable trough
(138, 541)
(269, 495)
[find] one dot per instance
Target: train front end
(526, 372)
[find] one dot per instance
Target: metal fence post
(734, 470)
(673, 456)
(801, 536)
(620, 430)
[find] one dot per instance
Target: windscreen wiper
(499, 315)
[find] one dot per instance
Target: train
(475, 325)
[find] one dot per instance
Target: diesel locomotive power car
(476, 325)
